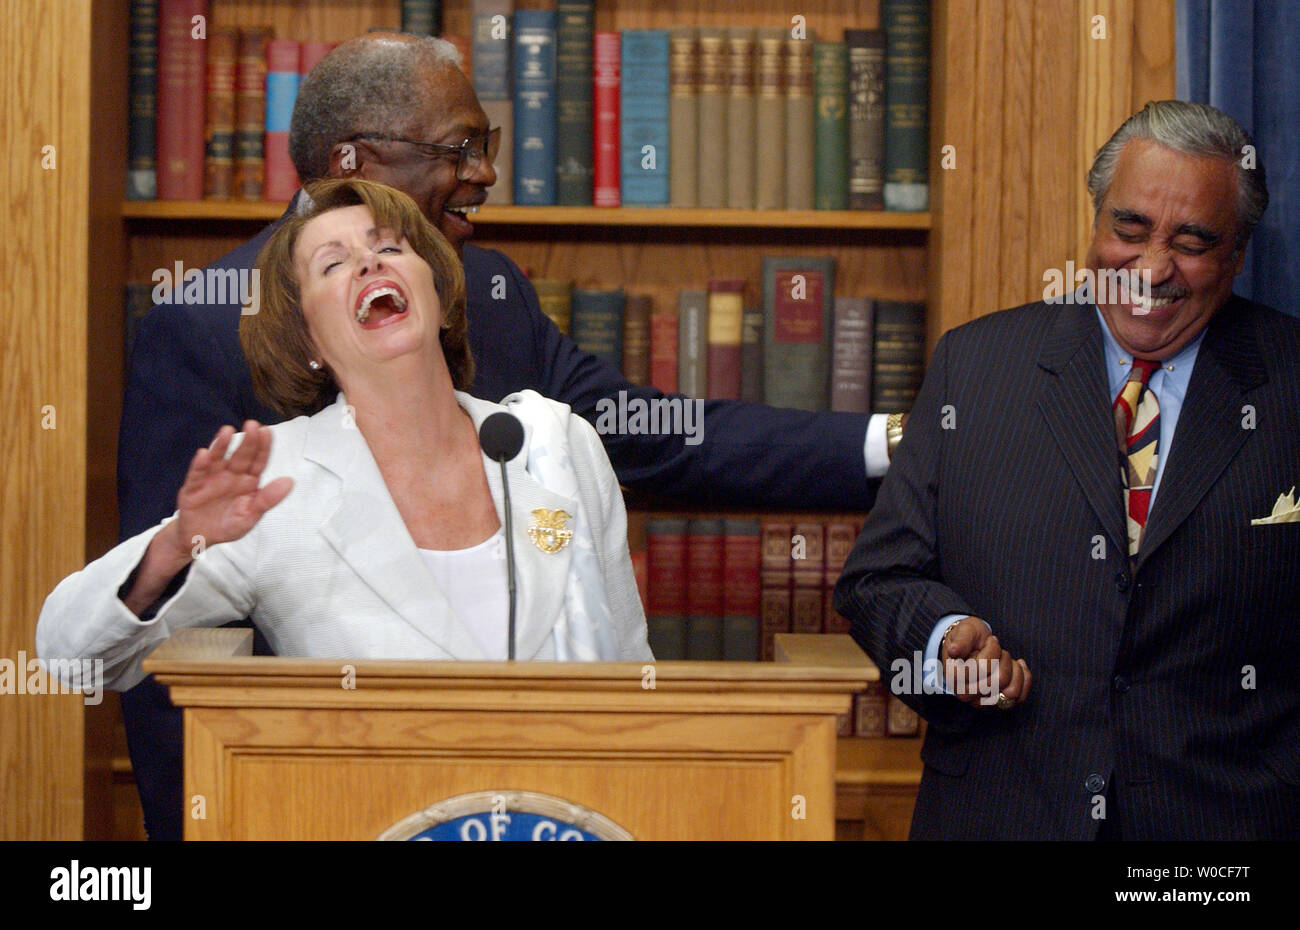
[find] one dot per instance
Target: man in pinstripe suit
(1074, 496)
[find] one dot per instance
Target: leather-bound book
(219, 135)
(851, 348)
(907, 103)
(643, 117)
(422, 17)
(490, 67)
(250, 113)
(898, 362)
(840, 536)
(666, 614)
(704, 597)
(555, 296)
(797, 305)
(742, 556)
(693, 343)
(142, 91)
(751, 355)
(831, 130)
(573, 60)
(182, 68)
(774, 593)
(282, 76)
(535, 107)
(866, 117)
(808, 558)
(636, 338)
(598, 323)
(726, 316)
(663, 347)
(607, 143)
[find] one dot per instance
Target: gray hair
(1193, 129)
(364, 85)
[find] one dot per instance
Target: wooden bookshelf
(1020, 91)
(668, 217)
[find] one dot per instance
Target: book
(250, 113)
(643, 116)
(900, 720)
(638, 551)
(800, 123)
(898, 359)
(606, 163)
(704, 597)
(666, 614)
(683, 116)
(830, 131)
(775, 583)
(575, 21)
(906, 25)
(555, 296)
(797, 306)
(182, 67)
(535, 107)
(840, 537)
(725, 315)
(808, 560)
(751, 355)
(219, 133)
(597, 323)
(490, 70)
(636, 338)
(692, 343)
(142, 92)
(711, 134)
(871, 711)
(663, 348)
(769, 121)
(309, 55)
(740, 118)
(422, 17)
(851, 350)
(742, 555)
(866, 51)
(282, 76)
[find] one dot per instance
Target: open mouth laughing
(380, 302)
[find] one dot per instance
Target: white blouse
(474, 582)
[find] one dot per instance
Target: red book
(742, 558)
(726, 313)
(663, 348)
(666, 608)
(775, 591)
(808, 555)
(182, 66)
(282, 76)
(637, 544)
(871, 711)
(704, 598)
(901, 719)
(606, 170)
(840, 537)
(250, 113)
(309, 54)
(219, 168)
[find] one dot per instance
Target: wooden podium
(280, 748)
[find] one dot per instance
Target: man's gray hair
(1193, 129)
(364, 85)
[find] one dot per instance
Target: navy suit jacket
(188, 378)
(1171, 684)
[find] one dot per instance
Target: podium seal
(508, 816)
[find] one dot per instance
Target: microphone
(501, 437)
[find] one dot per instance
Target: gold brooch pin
(548, 532)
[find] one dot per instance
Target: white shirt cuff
(876, 447)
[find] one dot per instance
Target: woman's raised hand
(220, 500)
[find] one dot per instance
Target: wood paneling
(43, 285)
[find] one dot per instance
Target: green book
(597, 321)
(831, 126)
(798, 298)
(573, 48)
(907, 99)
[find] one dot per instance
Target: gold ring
(1004, 702)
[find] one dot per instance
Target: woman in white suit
(371, 528)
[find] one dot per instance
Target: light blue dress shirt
(1169, 384)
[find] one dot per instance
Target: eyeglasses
(470, 154)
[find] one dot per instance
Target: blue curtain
(1243, 56)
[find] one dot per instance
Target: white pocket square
(1286, 510)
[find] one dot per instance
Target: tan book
(740, 118)
(683, 116)
(871, 709)
(502, 113)
(250, 113)
(711, 134)
(799, 124)
(902, 720)
(555, 296)
(769, 122)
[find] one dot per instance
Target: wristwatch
(893, 432)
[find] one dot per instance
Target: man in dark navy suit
(1084, 505)
(398, 110)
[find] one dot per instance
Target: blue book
(535, 107)
(645, 117)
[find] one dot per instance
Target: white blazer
(333, 572)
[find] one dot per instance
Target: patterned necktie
(1137, 431)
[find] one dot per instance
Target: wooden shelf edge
(667, 217)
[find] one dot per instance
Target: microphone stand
(510, 565)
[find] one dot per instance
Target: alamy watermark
(208, 287)
(1104, 287)
(919, 675)
(33, 675)
(639, 416)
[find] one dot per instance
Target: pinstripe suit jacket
(1179, 677)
